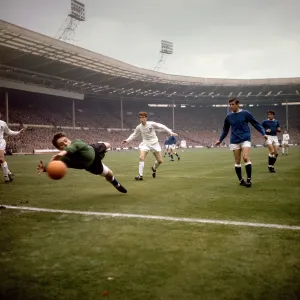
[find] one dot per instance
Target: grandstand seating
(199, 125)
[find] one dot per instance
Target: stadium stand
(46, 115)
(48, 86)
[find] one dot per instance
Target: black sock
(270, 160)
(115, 182)
(171, 156)
(176, 154)
(248, 171)
(238, 171)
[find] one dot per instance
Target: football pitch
(191, 233)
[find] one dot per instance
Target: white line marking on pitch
(150, 217)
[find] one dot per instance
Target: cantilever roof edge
(40, 38)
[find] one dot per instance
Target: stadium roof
(33, 58)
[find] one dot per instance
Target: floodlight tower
(166, 49)
(66, 32)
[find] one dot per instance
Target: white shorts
(2, 144)
(154, 147)
(285, 142)
(172, 147)
(272, 140)
(245, 144)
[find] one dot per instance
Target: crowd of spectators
(198, 125)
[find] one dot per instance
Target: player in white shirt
(285, 143)
(150, 142)
(183, 145)
(8, 176)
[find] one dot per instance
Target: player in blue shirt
(166, 145)
(271, 127)
(172, 147)
(240, 138)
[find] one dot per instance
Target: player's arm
(265, 127)
(225, 131)
(74, 147)
(43, 167)
(11, 132)
(59, 155)
(278, 129)
(162, 126)
(256, 125)
(134, 135)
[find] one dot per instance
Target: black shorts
(97, 167)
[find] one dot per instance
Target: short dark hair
(235, 100)
(271, 112)
(142, 114)
(56, 137)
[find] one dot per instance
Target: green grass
(59, 256)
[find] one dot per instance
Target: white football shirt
(5, 130)
(148, 132)
(285, 137)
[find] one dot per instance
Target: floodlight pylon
(66, 32)
(166, 50)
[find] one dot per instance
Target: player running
(183, 145)
(172, 147)
(240, 138)
(149, 143)
(285, 143)
(79, 155)
(8, 176)
(166, 147)
(271, 127)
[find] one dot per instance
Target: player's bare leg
(282, 148)
(108, 146)
(248, 165)
(273, 153)
(8, 176)
(157, 163)
(166, 151)
(109, 176)
(175, 153)
(143, 155)
(171, 155)
(276, 150)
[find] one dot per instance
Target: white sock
(156, 165)
(282, 150)
(5, 168)
(141, 168)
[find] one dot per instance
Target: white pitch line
(151, 217)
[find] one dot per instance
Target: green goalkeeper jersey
(79, 155)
